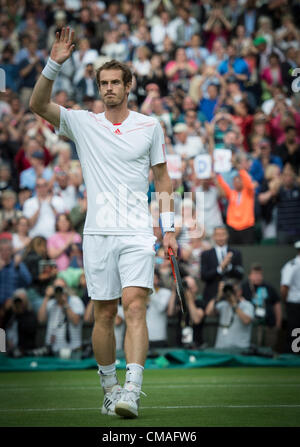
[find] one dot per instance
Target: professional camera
(228, 289)
(58, 290)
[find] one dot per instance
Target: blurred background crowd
(221, 77)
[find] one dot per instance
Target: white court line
(195, 385)
(169, 407)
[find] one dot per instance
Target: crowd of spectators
(219, 76)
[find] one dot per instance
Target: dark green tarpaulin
(161, 359)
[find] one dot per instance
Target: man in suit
(219, 263)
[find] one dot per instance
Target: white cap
(180, 127)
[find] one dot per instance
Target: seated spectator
(60, 242)
(180, 70)
(196, 52)
(235, 317)
(162, 29)
(29, 176)
(42, 269)
(30, 68)
(187, 146)
(216, 27)
(268, 314)
(209, 105)
(265, 158)
(267, 200)
(13, 272)
(288, 207)
(234, 66)
(272, 74)
(42, 210)
(156, 315)
(20, 324)
(81, 57)
(142, 64)
(240, 216)
(64, 188)
(219, 263)
(87, 86)
(63, 315)
(212, 213)
(290, 292)
(289, 150)
(9, 214)
(10, 68)
(20, 238)
(187, 27)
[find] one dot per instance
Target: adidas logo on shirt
(118, 132)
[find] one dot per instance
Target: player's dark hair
(115, 65)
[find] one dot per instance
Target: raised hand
(63, 46)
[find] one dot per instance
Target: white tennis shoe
(128, 404)
(110, 399)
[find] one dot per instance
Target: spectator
(216, 27)
(42, 269)
(42, 210)
(268, 314)
(29, 69)
(272, 74)
(219, 263)
(195, 52)
(186, 145)
(20, 238)
(83, 56)
(180, 70)
(13, 272)
(87, 86)
(161, 30)
(212, 213)
(9, 214)
(63, 315)
(156, 315)
(268, 202)
(234, 66)
(240, 213)
(64, 188)
(265, 158)
(59, 244)
(141, 63)
(290, 292)
(289, 150)
(235, 317)
(29, 176)
(20, 324)
(10, 67)
(78, 214)
(187, 27)
(288, 208)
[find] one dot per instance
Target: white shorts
(114, 262)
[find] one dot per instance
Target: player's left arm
(164, 191)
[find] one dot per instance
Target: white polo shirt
(290, 277)
(115, 161)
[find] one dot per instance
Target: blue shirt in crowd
(12, 278)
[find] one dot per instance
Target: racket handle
(170, 251)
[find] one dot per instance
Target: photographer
(63, 314)
(235, 316)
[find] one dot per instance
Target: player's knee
(105, 313)
(135, 312)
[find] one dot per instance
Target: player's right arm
(40, 101)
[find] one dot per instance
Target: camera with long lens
(228, 290)
(58, 290)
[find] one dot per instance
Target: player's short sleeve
(286, 275)
(157, 150)
(70, 122)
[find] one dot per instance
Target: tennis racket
(178, 280)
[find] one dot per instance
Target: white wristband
(167, 221)
(51, 69)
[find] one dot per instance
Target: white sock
(108, 376)
(134, 374)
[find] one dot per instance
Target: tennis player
(116, 149)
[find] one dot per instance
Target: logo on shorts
(118, 132)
